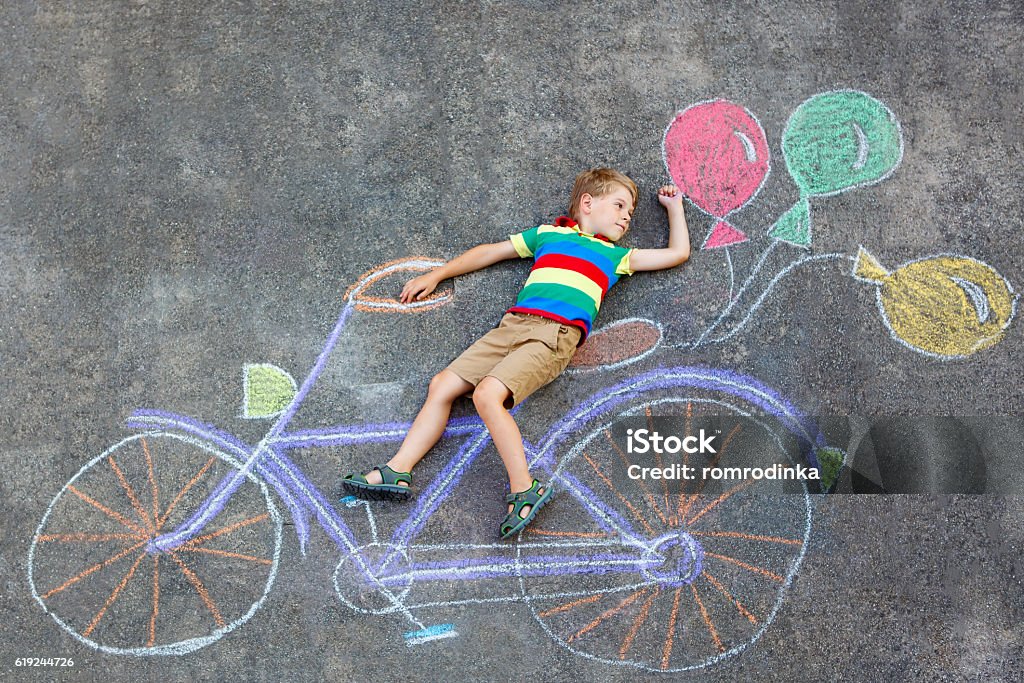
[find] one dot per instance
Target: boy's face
(608, 215)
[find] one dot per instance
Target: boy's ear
(586, 202)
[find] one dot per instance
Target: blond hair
(597, 182)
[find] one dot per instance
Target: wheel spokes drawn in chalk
(713, 560)
(95, 541)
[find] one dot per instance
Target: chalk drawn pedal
(390, 489)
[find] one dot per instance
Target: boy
(576, 262)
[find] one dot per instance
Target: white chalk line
(732, 274)
(338, 438)
(732, 302)
(191, 644)
(357, 502)
(449, 573)
(760, 300)
(504, 546)
(542, 596)
(862, 147)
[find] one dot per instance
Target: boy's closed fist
(670, 196)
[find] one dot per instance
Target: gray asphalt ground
(189, 187)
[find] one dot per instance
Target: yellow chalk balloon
(945, 305)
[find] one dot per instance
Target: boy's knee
(437, 383)
(448, 386)
(490, 393)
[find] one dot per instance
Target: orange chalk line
(152, 482)
(667, 652)
(643, 485)
(707, 620)
(749, 567)
(200, 588)
(721, 589)
(156, 601)
(721, 499)
(628, 642)
(131, 496)
(107, 511)
(624, 501)
(166, 516)
(225, 553)
(94, 568)
(373, 275)
(607, 613)
(220, 532)
(749, 537)
(573, 534)
(714, 462)
(664, 484)
(89, 538)
(113, 596)
(569, 605)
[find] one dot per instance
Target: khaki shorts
(524, 352)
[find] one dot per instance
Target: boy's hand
(419, 288)
(669, 196)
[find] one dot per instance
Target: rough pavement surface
(187, 189)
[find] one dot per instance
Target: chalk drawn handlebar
(362, 297)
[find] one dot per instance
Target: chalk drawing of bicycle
(173, 564)
(132, 558)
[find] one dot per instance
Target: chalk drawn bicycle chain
(133, 557)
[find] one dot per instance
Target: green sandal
(390, 489)
(514, 521)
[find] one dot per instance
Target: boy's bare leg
(429, 424)
(489, 399)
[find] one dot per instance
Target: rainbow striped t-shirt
(572, 271)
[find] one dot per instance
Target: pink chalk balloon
(717, 154)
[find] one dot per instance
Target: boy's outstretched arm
(476, 258)
(678, 250)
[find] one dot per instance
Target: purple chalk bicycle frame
(268, 460)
